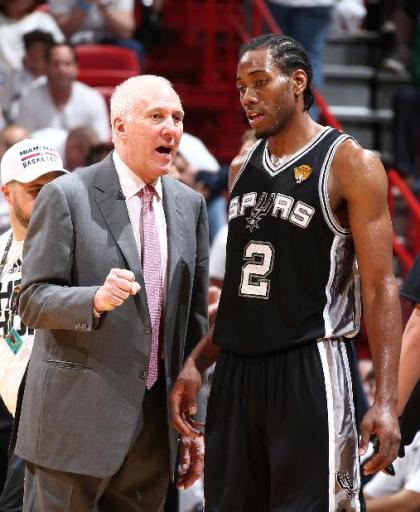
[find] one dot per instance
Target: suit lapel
(111, 203)
(175, 228)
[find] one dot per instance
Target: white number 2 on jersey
(258, 265)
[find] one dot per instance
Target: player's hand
(191, 461)
(183, 400)
(381, 419)
(118, 286)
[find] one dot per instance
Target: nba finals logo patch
(302, 173)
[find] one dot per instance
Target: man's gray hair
(128, 93)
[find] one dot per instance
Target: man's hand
(380, 420)
(183, 400)
(118, 286)
(191, 461)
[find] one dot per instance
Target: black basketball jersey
(291, 274)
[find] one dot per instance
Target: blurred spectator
(213, 187)
(150, 30)
(182, 170)
(8, 137)
(98, 21)
(98, 152)
(307, 21)
(62, 102)
(218, 257)
(199, 169)
(400, 492)
(348, 16)
(367, 376)
(396, 34)
(11, 134)
(17, 17)
(406, 105)
(78, 147)
(34, 68)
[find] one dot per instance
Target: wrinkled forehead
(257, 60)
(159, 96)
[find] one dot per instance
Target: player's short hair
(49, 49)
(288, 54)
(37, 36)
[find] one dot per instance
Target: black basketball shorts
(281, 433)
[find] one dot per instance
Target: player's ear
(300, 81)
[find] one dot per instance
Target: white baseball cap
(29, 159)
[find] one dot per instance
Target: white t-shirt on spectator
(93, 28)
(407, 474)
(12, 365)
(11, 37)
(85, 107)
(16, 85)
(218, 254)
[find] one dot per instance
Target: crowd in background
(40, 96)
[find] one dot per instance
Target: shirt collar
(130, 182)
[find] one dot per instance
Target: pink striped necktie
(152, 273)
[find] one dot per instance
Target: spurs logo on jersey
(277, 205)
(344, 481)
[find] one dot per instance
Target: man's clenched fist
(118, 286)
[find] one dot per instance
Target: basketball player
(307, 199)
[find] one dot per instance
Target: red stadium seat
(103, 56)
(104, 77)
(106, 92)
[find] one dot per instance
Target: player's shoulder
(353, 157)
(357, 172)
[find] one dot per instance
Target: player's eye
(261, 83)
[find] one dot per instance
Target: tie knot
(147, 193)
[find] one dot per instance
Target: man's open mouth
(165, 150)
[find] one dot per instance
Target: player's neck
(298, 132)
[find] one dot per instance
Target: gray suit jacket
(85, 383)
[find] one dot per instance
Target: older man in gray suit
(115, 281)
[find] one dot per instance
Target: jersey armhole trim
(329, 216)
(241, 169)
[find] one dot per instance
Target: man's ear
(300, 81)
(119, 127)
(6, 192)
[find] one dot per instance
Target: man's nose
(169, 127)
(249, 98)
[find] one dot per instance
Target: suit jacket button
(147, 330)
(143, 375)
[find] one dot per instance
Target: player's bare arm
(410, 359)
(358, 190)
(183, 396)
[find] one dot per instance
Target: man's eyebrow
(252, 73)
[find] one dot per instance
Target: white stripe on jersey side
(251, 151)
(331, 424)
(353, 415)
(327, 319)
(274, 170)
(323, 189)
